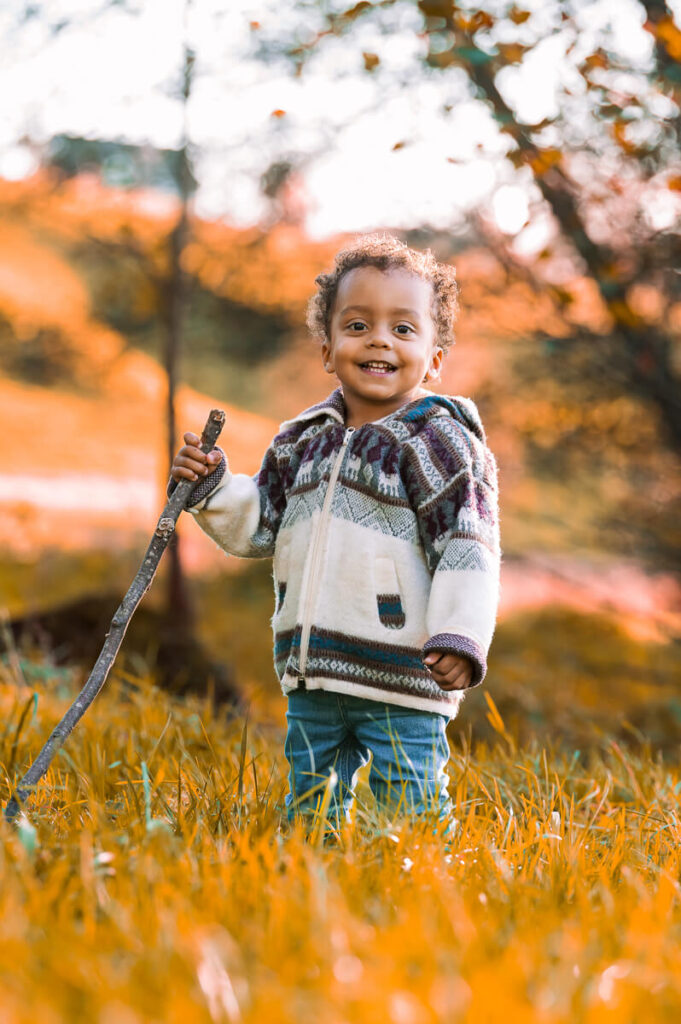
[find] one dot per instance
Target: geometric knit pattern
(390, 610)
(466, 554)
(355, 659)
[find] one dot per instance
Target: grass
(154, 878)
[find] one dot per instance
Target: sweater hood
(420, 410)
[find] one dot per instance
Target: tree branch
(646, 352)
(119, 625)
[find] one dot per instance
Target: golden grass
(153, 878)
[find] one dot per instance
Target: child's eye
(356, 323)
(404, 327)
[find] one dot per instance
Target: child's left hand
(449, 671)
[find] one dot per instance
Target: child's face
(384, 318)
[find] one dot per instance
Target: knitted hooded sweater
(386, 546)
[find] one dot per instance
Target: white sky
(109, 77)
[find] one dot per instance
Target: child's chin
(381, 387)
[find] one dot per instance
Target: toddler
(379, 506)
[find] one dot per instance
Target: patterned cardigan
(386, 546)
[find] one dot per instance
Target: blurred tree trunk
(179, 613)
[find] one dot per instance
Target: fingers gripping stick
(119, 624)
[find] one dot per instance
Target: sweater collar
(420, 409)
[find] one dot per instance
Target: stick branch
(119, 624)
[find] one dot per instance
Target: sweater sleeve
(242, 513)
(453, 483)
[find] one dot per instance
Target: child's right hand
(190, 463)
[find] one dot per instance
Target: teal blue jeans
(333, 735)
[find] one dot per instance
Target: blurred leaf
(622, 313)
(666, 31)
(444, 59)
(278, 113)
(371, 61)
(356, 11)
(399, 145)
(611, 271)
(596, 60)
(610, 110)
(472, 23)
(544, 159)
(618, 129)
(517, 16)
(512, 53)
(437, 8)
(563, 296)
(674, 183)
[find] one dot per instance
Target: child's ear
(433, 371)
(326, 356)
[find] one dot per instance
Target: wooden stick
(119, 624)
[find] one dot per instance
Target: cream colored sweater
(385, 541)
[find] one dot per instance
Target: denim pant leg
(410, 755)
(318, 740)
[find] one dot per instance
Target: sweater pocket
(388, 597)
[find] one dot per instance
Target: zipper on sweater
(315, 558)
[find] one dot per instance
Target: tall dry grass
(153, 878)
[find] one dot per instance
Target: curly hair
(385, 252)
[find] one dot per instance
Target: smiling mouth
(377, 366)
